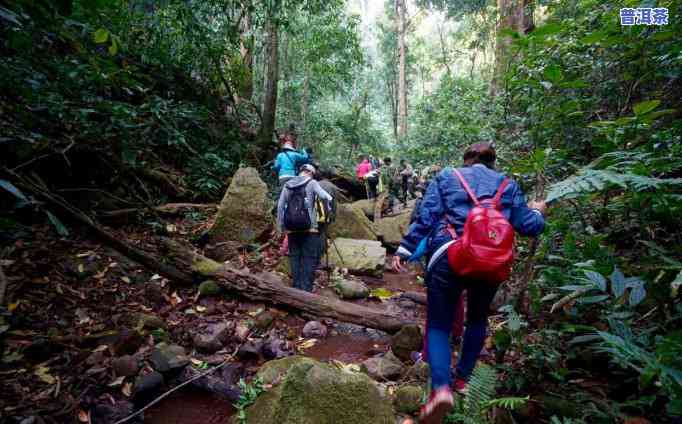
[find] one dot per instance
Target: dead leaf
(307, 344)
(175, 299)
(196, 361)
(200, 308)
(127, 389)
(171, 228)
(83, 416)
(155, 277)
(81, 268)
(12, 306)
(85, 254)
(43, 374)
(101, 348)
(126, 279)
(113, 264)
(117, 382)
(83, 317)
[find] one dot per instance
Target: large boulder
(367, 206)
(393, 228)
(316, 393)
(352, 223)
(362, 257)
(245, 213)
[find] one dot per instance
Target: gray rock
(382, 368)
(409, 339)
(362, 257)
(250, 350)
(147, 385)
(392, 229)
(214, 337)
(351, 223)
(352, 289)
(209, 288)
(245, 213)
(105, 412)
(314, 330)
(126, 366)
(276, 348)
(165, 358)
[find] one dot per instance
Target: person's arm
(321, 193)
(431, 210)
(526, 220)
(280, 209)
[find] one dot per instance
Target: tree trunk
(267, 287)
(246, 50)
(402, 77)
(272, 79)
(304, 104)
(516, 15)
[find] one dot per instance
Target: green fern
(510, 403)
(593, 180)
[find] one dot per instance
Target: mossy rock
(408, 399)
(351, 223)
(209, 288)
(361, 257)
(317, 393)
(273, 371)
(245, 213)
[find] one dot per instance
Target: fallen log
(268, 287)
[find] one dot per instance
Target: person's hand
(397, 264)
(540, 205)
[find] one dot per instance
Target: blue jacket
(446, 202)
(288, 161)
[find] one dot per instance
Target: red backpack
(486, 250)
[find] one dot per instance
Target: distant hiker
(392, 181)
(289, 160)
(297, 216)
(406, 173)
(325, 216)
(364, 173)
(443, 232)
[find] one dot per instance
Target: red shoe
(439, 404)
(461, 386)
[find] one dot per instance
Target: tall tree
(246, 50)
(402, 71)
(271, 76)
(514, 15)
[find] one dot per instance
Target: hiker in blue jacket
(446, 204)
(289, 160)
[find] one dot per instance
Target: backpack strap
(500, 191)
(466, 187)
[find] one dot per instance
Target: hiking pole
(338, 252)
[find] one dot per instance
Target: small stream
(190, 406)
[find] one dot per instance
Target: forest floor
(75, 305)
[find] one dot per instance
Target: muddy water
(190, 406)
(346, 348)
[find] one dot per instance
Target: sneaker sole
(437, 414)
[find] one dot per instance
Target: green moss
(205, 266)
(317, 393)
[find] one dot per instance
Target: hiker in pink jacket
(363, 168)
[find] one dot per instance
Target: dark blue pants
(443, 291)
(303, 259)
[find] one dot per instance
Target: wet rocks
(213, 337)
(244, 215)
(165, 358)
(314, 330)
(209, 288)
(250, 350)
(351, 289)
(276, 348)
(408, 399)
(383, 368)
(126, 366)
(362, 257)
(409, 339)
(315, 393)
(105, 412)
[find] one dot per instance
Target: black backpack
(296, 214)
